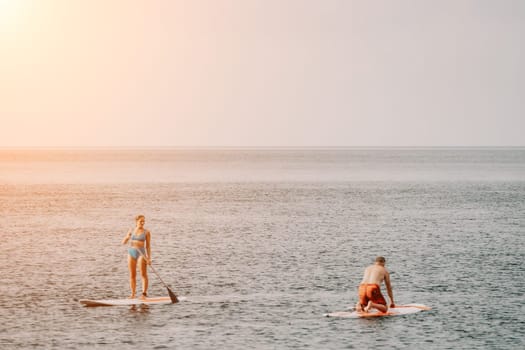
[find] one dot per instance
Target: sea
(262, 243)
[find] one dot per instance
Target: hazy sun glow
(118, 73)
(6, 6)
(9, 11)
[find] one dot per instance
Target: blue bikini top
(141, 237)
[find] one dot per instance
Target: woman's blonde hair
(138, 217)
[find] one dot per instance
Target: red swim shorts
(370, 292)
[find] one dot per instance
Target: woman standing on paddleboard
(139, 251)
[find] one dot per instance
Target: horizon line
(36, 148)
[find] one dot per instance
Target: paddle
(172, 295)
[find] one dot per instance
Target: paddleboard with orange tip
(398, 310)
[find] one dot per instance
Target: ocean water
(262, 243)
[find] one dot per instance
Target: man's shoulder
(380, 269)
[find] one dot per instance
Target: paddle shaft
(172, 295)
(155, 272)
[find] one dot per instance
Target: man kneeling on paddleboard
(369, 292)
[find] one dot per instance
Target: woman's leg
(132, 265)
(144, 275)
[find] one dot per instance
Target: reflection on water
(263, 253)
(141, 309)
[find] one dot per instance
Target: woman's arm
(128, 236)
(148, 246)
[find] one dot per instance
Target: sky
(262, 73)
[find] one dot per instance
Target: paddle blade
(173, 297)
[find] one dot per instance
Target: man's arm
(389, 289)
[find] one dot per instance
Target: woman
(139, 251)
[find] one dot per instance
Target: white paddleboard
(399, 310)
(124, 302)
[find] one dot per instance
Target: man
(369, 292)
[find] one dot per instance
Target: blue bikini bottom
(134, 252)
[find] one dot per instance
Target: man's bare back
(374, 274)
